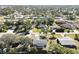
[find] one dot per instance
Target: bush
(33, 50)
(71, 17)
(9, 39)
(24, 40)
(12, 50)
(76, 37)
(60, 30)
(15, 43)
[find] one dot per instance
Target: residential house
(67, 42)
(40, 43)
(68, 26)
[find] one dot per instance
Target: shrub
(24, 40)
(12, 50)
(60, 30)
(33, 50)
(76, 37)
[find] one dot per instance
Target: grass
(50, 42)
(70, 35)
(58, 36)
(37, 30)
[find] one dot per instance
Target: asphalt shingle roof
(40, 43)
(66, 41)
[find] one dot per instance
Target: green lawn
(58, 36)
(71, 35)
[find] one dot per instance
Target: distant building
(17, 15)
(68, 25)
(34, 17)
(58, 18)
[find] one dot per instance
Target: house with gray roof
(40, 43)
(67, 42)
(68, 26)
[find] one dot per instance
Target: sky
(39, 2)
